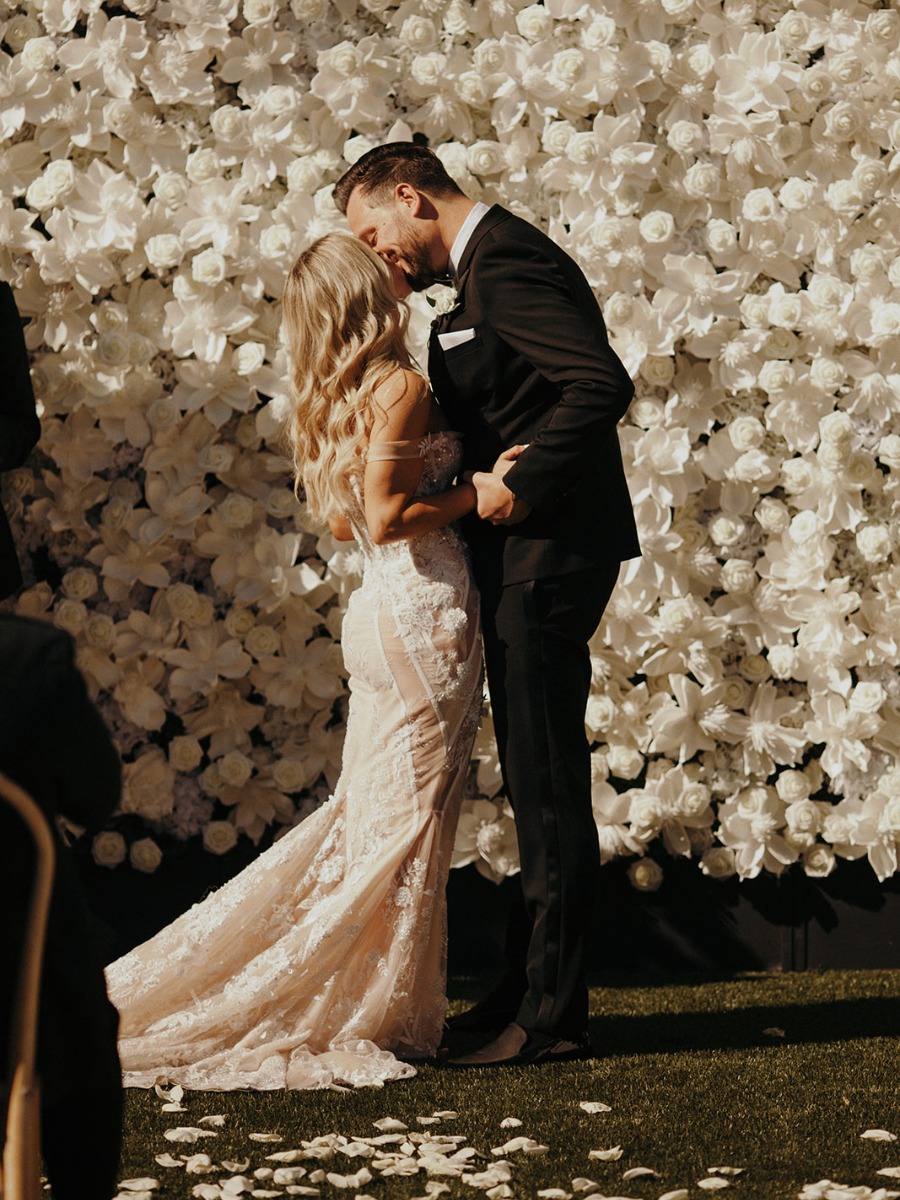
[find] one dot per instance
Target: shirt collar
(462, 238)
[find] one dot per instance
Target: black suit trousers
(539, 675)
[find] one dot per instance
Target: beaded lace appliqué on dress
(324, 960)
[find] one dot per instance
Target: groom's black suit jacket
(537, 369)
(19, 424)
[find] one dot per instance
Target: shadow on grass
(743, 1028)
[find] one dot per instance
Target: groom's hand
(496, 503)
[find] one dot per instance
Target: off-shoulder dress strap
(394, 451)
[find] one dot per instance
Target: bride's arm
(394, 510)
(341, 529)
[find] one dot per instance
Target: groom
(522, 359)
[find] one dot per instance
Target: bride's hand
(506, 460)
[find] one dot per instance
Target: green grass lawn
(690, 1073)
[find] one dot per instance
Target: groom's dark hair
(379, 171)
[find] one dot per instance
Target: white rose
(860, 469)
(185, 753)
(202, 165)
(583, 148)
(754, 667)
(803, 816)
(827, 373)
(304, 175)
(262, 641)
(485, 158)
(726, 530)
(228, 122)
(281, 503)
(428, 69)
(867, 697)
(80, 583)
(163, 250)
(781, 343)
(797, 474)
(489, 57)
(59, 179)
(556, 136)
(236, 510)
(600, 713)
(100, 631)
(70, 615)
(782, 661)
(234, 769)
(796, 194)
(38, 54)
(534, 23)
(720, 237)
(746, 433)
(645, 813)
(874, 543)
(701, 181)
(694, 800)
(568, 66)
(676, 616)
(752, 800)
(739, 576)
(308, 11)
(108, 849)
(868, 177)
(647, 412)
(21, 29)
(735, 692)
(600, 32)
(248, 357)
(239, 622)
(883, 26)
(471, 89)
(258, 11)
(657, 227)
(718, 863)
(793, 786)
(759, 204)
(786, 311)
(843, 121)
(112, 349)
(776, 376)
(755, 311)
(208, 267)
(618, 309)
(889, 451)
(686, 137)
(145, 855)
(419, 33)
(625, 762)
(819, 861)
(219, 836)
(646, 875)
(289, 775)
(163, 413)
(658, 371)
(805, 526)
(171, 189)
(147, 786)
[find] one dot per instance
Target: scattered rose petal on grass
(299, 1190)
(428, 1120)
(166, 1160)
(390, 1125)
(825, 1189)
(214, 1119)
(584, 1187)
(879, 1135)
(283, 1156)
(713, 1183)
(678, 1194)
(360, 1179)
(609, 1155)
(554, 1194)
(265, 1137)
(172, 1107)
(594, 1106)
(526, 1144)
(188, 1133)
(263, 1173)
(510, 1123)
(890, 1172)
(206, 1191)
(499, 1172)
(446, 1114)
(637, 1172)
(264, 1194)
(501, 1192)
(174, 1094)
(199, 1164)
(139, 1185)
(774, 1031)
(285, 1175)
(236, 1185)
(726, 1170)
(230, 1165)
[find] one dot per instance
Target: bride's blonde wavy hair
(346, 333)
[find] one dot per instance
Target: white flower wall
(726, 175)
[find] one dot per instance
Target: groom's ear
(414, 202)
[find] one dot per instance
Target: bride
(324, 960)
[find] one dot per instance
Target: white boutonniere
(443, 299)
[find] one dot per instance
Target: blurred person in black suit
(19, 424)
(54, 744)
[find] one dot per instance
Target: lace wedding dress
(324, 960)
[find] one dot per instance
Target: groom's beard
(420, 274)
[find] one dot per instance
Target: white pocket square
(455, 338)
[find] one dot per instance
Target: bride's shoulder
(402, 405)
